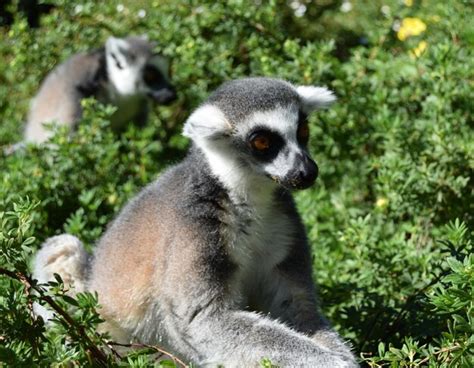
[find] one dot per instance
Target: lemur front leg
(294, 302)
(242, 339)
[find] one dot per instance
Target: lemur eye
(264, 143)
(303, 130)
(260, 143)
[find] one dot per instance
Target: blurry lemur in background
(125, 73)
(212, 259)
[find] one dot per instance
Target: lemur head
(134, 69)
(254, 131)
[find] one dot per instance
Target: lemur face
(258, 127)
(274, 143)
(134, 69)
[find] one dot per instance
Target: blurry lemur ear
(117, 49)
(314, 98)
(207, 122)
(144, 37)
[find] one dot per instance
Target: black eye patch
(152, 76)
(264, 144)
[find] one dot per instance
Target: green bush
(390, 219)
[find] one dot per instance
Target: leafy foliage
(390, 218)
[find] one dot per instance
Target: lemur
(125, 73)
(211, 260)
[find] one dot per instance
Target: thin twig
(154, 347)
(115, 352)
(441, 351)
(27, 285)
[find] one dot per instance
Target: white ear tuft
(118, 49)
(315, 97)
(117, 45)
(207, 122)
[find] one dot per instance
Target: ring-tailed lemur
(125, 73)
(212, 259)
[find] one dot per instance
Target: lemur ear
(144, 37)
(314, 98)
(207, 122)
(118, 49)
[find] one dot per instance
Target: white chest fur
(257, 242)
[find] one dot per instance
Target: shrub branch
(98, 355)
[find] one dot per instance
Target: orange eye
(303, 133)
(261, 143)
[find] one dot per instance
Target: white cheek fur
(282, 164)
(126, 81)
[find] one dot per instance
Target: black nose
(164, 96)
(304, 174)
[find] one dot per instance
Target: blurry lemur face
(137, 71)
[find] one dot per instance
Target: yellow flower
(381, 202)
(420, 49)
(112, 198)
(408, 2)
(410, 27)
